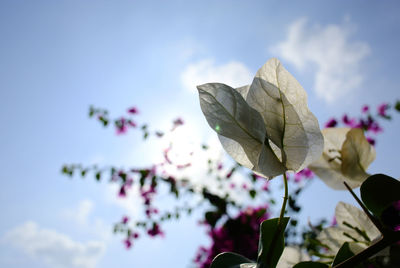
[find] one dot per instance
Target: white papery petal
(334, 237)
(357, 155)
(230, 116)
(345, 157)
(282, 103)
(291, 255)
(235, 150)
(357, 218)
(328, 166)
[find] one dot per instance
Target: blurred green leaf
(212, 217)
(310, 264)
(91, 111)
(378, 192)
(397, 106)
(103, 120)
(343, 254)
(231, 260)
(98, 176)
(272, 242)
(252, 193)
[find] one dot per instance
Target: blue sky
(59, 57)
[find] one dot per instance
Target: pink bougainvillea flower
(120, 124)
(371, 141)
(133, 110)
(334, 222)
(265, 186)
(382, 109)
(331, 123)
(365, 109)
(375, 127)
(235, 235)
(132, 123)
(183, 166)
(125, 220)
(135, 235)
(176, 123)
(122, 191)
(155, 231)
(166, 156)
(303, 174)
(121, 130)
(220, 166)
(350, 122)
(128, 243)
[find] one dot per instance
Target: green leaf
(65, 170)
(98, 176)
(272, 242)
(378, 192)
(103, 120)
(83, 172)
(343, 254)
(310, 264)
(252, 193)
(397, 106)
(231, 260)
(91, 111)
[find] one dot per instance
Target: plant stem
(285, 198)
(384, 242)
(374, 220)
(388, 238)
(280, 227)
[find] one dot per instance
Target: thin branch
(374, 220)
(381, 244)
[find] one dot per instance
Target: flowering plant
(266, 127)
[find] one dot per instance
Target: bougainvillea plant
(268, 130)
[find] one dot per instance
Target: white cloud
(53, 248)
(331, 50)
(233, 73)
(131, 203)
(81, 213)
(82, 216)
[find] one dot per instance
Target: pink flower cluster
(235, 235)
(131, 236)
(301, 175)
(122, 125)
(367, 121)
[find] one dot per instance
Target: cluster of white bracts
(268, 128)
